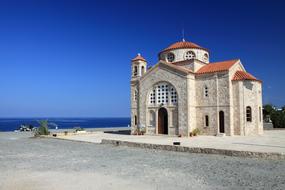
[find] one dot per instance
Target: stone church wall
(179, 81)
(248, 93)
(218, 99)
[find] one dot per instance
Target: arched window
(135, 71)
(189, 55)
(163, 93)
(142, 70)
(248, 114)
(136, 120)
(206, 121)
(206, 91)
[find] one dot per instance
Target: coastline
(91, 129)
(12, 124)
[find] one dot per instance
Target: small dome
(139, 58)
(183, 45)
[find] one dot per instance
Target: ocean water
(11, 124)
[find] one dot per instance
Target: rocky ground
(39, 163)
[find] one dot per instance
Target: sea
(11, 124)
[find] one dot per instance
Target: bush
(42, 129)
(277, 116)
(268, 109)
(78, 129)
(142, 130)
(139, 131)
(196, 132)
(278, 119)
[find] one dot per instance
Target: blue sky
(72, 58)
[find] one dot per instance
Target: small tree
(268, 109)
(42, 129)
(278, 119)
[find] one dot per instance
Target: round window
(189, 55)
(206, 57)
(170, 57)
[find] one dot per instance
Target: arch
(135, 70)
(190, 55)
(206, 56)
(221, 122)
(162, 93)
(162, 127)
(248, 114)
(142, 70)
(170, 57)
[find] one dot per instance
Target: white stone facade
(175, 97)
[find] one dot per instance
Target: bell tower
(138, 66)
(138, 69)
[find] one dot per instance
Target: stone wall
(218, 99)
(248, 93)
(179, 82)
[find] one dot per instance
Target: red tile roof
(139, 57)
(217, 67)
(182, 45)
(241, 75)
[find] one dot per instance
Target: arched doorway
(221, 122)
(162, 121)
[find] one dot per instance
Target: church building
(184, 91)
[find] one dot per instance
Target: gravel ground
(40, 164)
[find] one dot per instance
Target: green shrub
(278, 119)
(277, 116)
(42, 129)
(196, 132)
(78, 129)
(142, 130)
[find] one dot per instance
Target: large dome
(183, 45)
(182, 51)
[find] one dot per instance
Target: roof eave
(202, 73)
(255, 80)
(165, 50)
